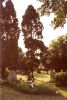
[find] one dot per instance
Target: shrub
(5, 73)
(61, 79)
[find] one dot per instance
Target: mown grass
(42, 82)
(26, 88)
(63, 91)
(39, 78)
(44, 79)
(11, 94)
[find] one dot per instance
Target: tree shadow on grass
(11, 94)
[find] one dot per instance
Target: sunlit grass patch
(63, 91)
(39, 78)
(23, 77)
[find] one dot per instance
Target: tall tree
(58, 7)
(32, 31)
(9, 36)
(2, 43)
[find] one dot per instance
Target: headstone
(52, 75)
(12, 75)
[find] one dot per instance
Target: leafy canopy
(32, 31)
(58, 7)
(56, 55)
(9, 35)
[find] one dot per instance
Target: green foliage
(7, 71)
(9, 35)
(61, 79)
(24, 62)
(32, 31)
(58, 7)
(10, 22)
(56, 55)
(4, 73)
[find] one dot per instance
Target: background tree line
(56, 55)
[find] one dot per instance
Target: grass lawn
(10, 94)
(39, 78)
(63, 91)
(7, 93)
(44, 79)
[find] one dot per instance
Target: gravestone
(12, 76)
(52, 75)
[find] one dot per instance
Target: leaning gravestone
(12, 76)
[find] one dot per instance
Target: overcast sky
(48, 33)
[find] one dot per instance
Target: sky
(48, 33)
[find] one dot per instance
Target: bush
(4, 73)
(61, 79)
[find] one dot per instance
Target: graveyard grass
(11, 94)
(44, 79)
